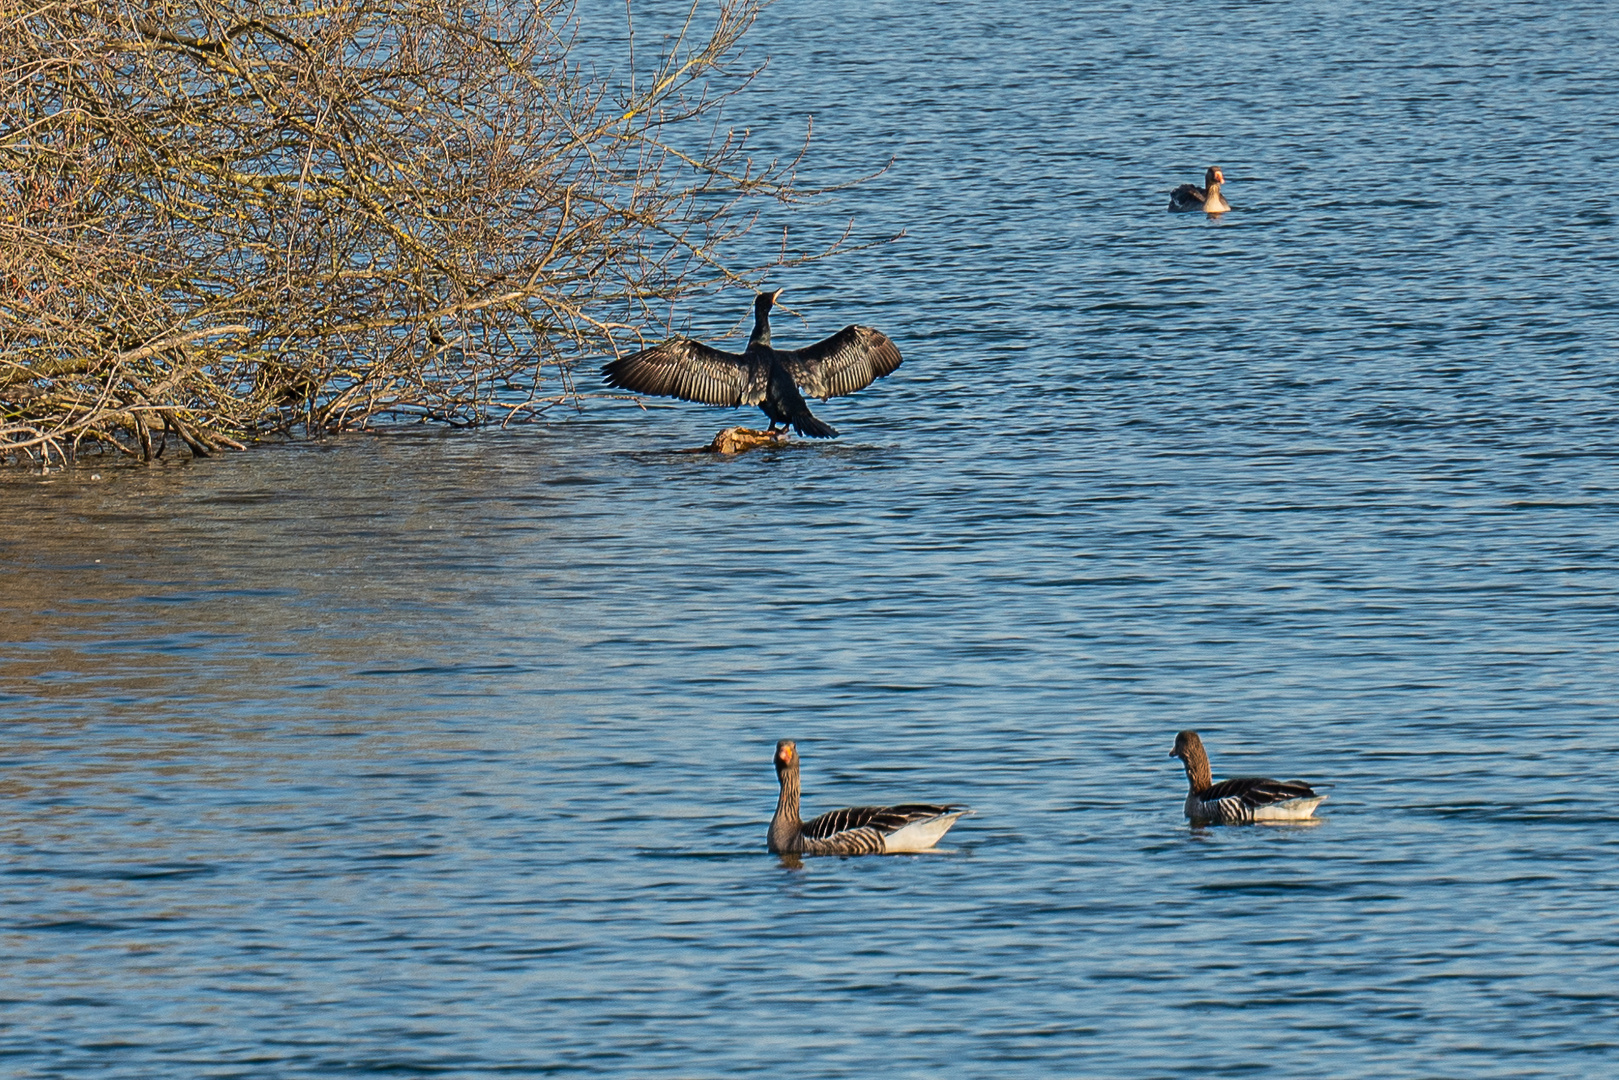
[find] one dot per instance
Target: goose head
(1187, 744)
(1189, 748)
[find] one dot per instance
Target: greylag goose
(849, 360)
(1191, 197)
(1242, 801)
(858, 830)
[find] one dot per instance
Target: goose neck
(785, 825)
(1198, 777)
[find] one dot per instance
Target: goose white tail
(920, 835)
(1291, 810)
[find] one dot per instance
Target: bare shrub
(225, 221)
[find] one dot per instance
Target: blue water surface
(449, 754)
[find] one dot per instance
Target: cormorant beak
(1174, 753)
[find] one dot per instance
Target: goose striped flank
(857, 830)
(1242, 801)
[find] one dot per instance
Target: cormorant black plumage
(770, 378)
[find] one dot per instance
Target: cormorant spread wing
(851, 359)
(683, 368)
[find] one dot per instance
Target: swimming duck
(849, 360)
(1191, 197)
(858, 830)
(1238, 802)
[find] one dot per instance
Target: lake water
(438, 754)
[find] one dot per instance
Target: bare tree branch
(234, 219)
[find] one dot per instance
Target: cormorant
(849, 360)
(1191, 197)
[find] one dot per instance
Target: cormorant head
(765, 300)
(1213, 176)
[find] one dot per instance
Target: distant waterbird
(775, 380)
(1241, 801)
(1189, 197)
(856, 830)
